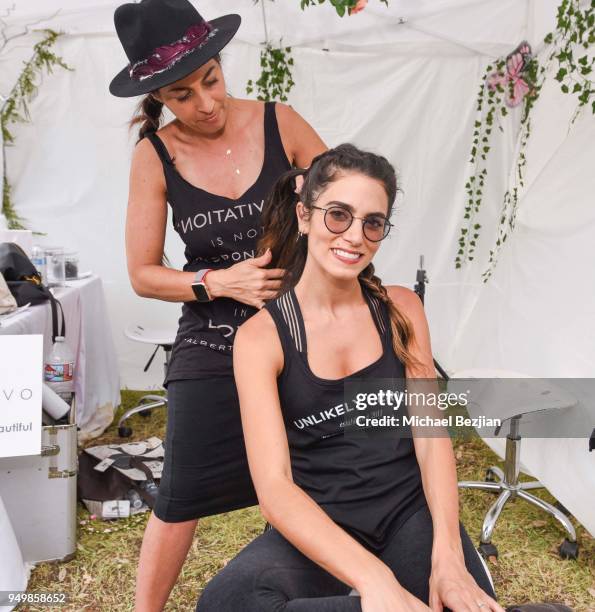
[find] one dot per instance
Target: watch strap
(199, 276)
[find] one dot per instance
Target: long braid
(149, 113)
(402, 331)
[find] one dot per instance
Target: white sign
(21, 375)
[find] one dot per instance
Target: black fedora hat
(165, 40)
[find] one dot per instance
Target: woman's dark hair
(288, 251)
(149, 112)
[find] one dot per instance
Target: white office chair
(530, 396)
(160, 338)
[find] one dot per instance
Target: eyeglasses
(339, 220)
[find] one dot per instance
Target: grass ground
(101, 576)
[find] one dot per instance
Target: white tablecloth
(14, 572)
(88, 334)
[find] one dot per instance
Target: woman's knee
(228, 591)
(235, 586)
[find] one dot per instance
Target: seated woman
(349, 512)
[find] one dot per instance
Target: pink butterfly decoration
(512, 82)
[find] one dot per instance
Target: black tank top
(367, 485)
(218, 232)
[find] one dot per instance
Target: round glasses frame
(364, 220)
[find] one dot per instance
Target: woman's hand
(387, 595)
(452, 586)
(248, 281)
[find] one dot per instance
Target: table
(88, 333)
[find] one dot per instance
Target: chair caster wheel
(145, 413)
(488, 551)
(490, 476)
(124, 432)
(568, 549)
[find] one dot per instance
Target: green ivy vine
(341, 6)
(15, 109)
(575, 31)
(275, 81)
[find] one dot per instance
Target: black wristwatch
(199, 287)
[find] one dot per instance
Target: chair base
(146, 404)
(496, 482)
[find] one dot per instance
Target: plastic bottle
(38, 260)
(59, 370)
(135, 499)
(150, 487)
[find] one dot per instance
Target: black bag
(24, 281)
(112, 484)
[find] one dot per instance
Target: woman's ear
(303, 217)
(156, 96)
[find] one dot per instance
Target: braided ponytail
(402, 331)
(148, 112)
(280, 224)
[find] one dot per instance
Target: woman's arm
(258, 359)
(300, 140)
(145, 231)
(451, 584)
(434, 454)
(248, 281)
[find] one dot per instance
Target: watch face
(200, 292)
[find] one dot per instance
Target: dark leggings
(271, 575)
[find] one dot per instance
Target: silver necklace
(229, 156)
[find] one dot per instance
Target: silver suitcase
(39, 492)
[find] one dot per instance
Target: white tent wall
(400, 80)
(404, 89)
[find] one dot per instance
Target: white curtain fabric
(400, 80)
(14, 572)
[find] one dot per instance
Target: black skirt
(205, 467)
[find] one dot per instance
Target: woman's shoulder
(259, 326)
(145, 161)
(300, 140)
(258, 340)
(144, 147)
(405, 299)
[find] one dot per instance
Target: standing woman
(213, 164)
